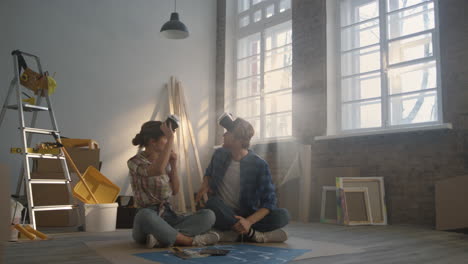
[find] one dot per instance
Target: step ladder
(26, 139)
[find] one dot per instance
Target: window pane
(244, 21)
(255, 122)
(411, 21)
(284, 5)
(410, 48)
(361, 115)
(360, 35)
(278, 102)
(360, 61)
(361, 87)
(413, 78)
(353, 11)
(279, 125)
(414, 108)
(279, 79)
(248, 107)
(254, 2)
(248, 46)
(242, 5)
(248, 67)
(258, 15)
(278, 35)
(248, 87)
(270, 10)
(278, 58)
(398, 4)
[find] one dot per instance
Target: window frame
(385, 66)
(260, 27)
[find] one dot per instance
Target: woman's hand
(167, 130)
(173, 158)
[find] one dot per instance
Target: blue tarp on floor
(238, 254)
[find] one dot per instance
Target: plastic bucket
(15, 213)
(100, 217)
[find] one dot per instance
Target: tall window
(264, 57)
(389, 74)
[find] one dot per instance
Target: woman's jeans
(165, 228)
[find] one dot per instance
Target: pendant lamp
(174, 28)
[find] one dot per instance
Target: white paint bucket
(100, 217)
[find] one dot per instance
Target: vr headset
(227, 121)
(174, 121)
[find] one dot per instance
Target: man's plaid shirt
(148, 190)
(256, 186)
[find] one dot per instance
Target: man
(242, 194)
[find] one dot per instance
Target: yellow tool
(25, 232)
(31, 101)
(30, 232)
(52, 84)
(36, 232)
(42, 148)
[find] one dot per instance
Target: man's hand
(203, 190)
(242, 226)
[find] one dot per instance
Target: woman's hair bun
(138, 140)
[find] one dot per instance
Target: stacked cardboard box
(451, 199)
(52, 194)
(5, 205)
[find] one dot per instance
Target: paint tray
(103, 189)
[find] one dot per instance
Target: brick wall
(410, 162)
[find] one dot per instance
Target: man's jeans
(165, 228)
(277, 218)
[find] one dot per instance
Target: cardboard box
(52, 194)
(451, 200)
(4, 205)
(81, 156)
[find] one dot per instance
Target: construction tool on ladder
(27, 132)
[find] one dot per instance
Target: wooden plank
(182, 128)
(305, 182)
(180, 196)
(193, 140)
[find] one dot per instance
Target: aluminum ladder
(26, 139)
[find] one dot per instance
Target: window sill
(273, 140)
(268, 141)
(386, 131)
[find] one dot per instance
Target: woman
(153, 183)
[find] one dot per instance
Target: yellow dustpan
(72, 163)
(101, 187)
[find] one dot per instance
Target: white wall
(111, 65)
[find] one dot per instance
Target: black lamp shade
(174, 28)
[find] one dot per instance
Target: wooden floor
(382, 244)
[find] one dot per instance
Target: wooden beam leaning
(180, 196)
(184, 123)
(192, 138)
